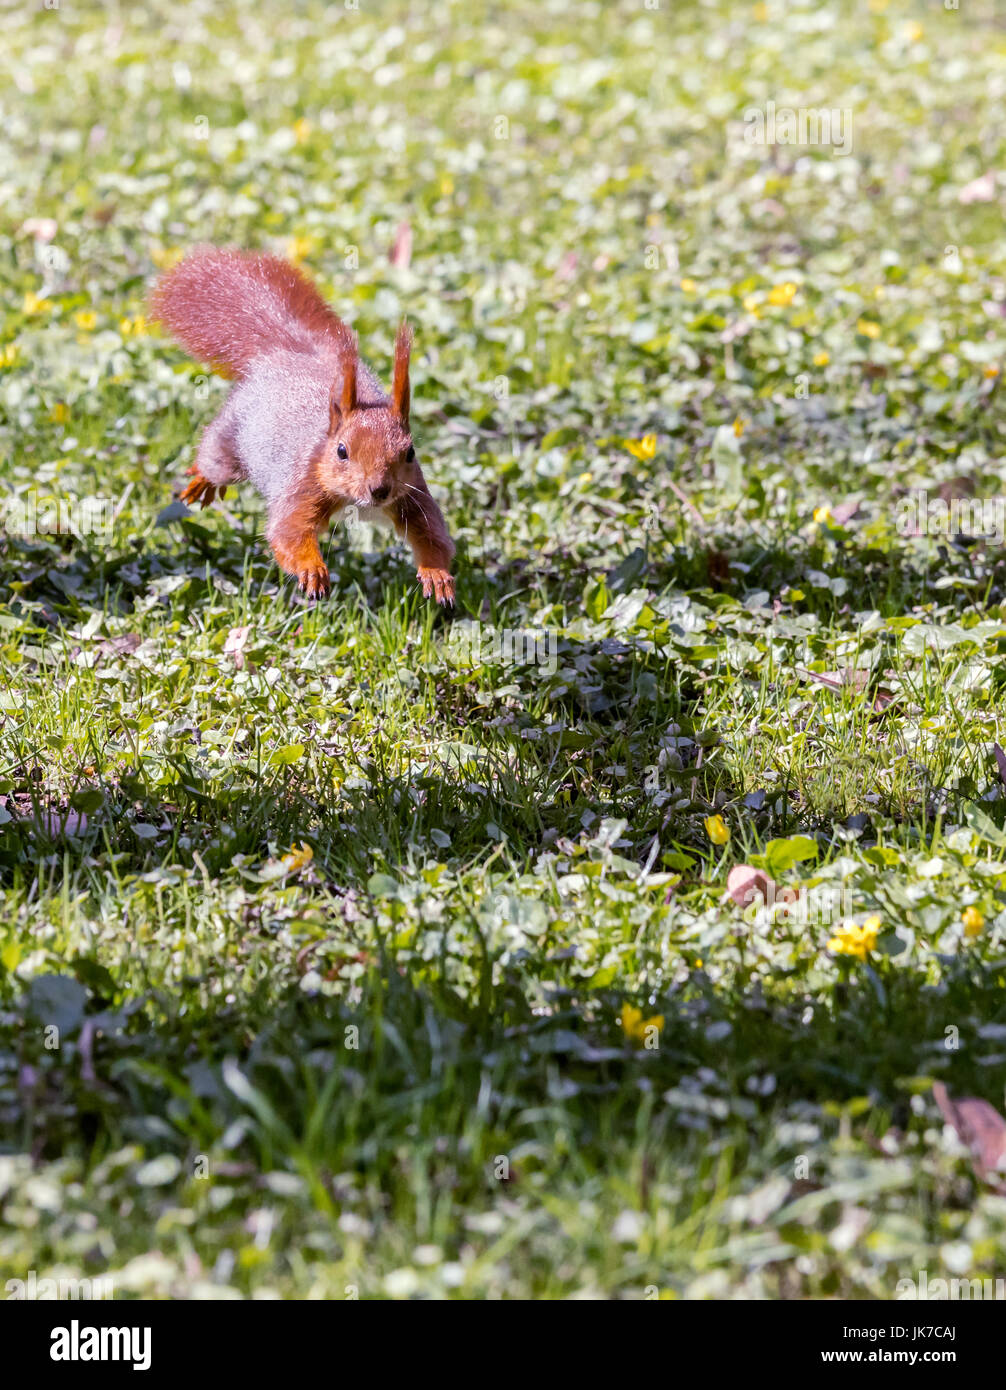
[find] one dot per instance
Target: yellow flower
(821, 359)
(782, 295)
(300, 246)
(8, 355)
(644, 448)
(302, 130)
(35, 304)
(297, 859)
(85, 319)
(717, 829)
(60, 413)
(760, 13)
(822, 514)
(991, 371)
(738, 427)
(913, 32)
(133, 328)
(973, 922)
(868, 328)
(164, 257)
(636, 1027)
(446, 185)
(689, 286)
(750, 304)
(855, 940)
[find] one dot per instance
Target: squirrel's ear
(348, 401)
(343, 398)
(400, 380)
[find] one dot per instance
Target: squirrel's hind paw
(437, 584)
(314, 582)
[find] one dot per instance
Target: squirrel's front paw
(199, 490)
(314, 582)
(437, 584)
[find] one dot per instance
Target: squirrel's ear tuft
(400, 380)
(343, 398)
(348, 399)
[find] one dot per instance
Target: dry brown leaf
(981, 1128)
(401, 252)
(745, 884)
(854, 679)
(718, 567)
(845, 511)
(961, 486)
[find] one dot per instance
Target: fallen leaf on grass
(745, 884)
(951, 488)
(979, 190)
(845, 511)
(981, 1128)
(849, 678)
(122, 645)
(235, 645)
(401, 252)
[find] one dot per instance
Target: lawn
(366, 949)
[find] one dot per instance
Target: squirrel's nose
(380, 494)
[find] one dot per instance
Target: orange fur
(227, 306)
(294, 539)
(400, 392)
(347, 400)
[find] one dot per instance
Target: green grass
(397, 1066)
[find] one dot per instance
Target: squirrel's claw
(437, 584)
(199, 490)
(314, 583)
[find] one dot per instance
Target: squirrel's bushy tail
(228, 307)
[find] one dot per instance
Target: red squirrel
(306, 421)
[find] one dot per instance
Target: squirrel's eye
(410, 457)
(342, 451)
